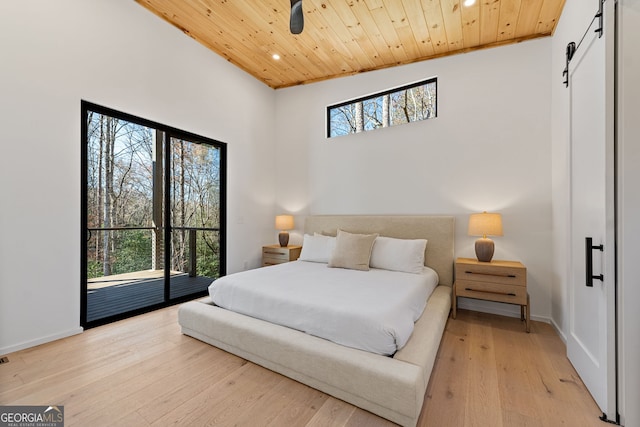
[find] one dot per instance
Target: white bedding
(371, 310)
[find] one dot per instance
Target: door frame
(168, 132)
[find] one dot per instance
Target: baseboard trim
(561, 334)
(41, 340)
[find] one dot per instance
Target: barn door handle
(589, 247)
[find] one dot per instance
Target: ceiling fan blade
(296, 23)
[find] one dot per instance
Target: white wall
(629, 210)
(488, 149)
(114, 53)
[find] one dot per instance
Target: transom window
(410, 103)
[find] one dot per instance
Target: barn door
(591, 338)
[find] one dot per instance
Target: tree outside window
(410, 103)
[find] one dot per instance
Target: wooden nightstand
(276, 254)
(499, 281)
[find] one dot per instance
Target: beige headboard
(438, 230)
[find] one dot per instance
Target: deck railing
(192, 259)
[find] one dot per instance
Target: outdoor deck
(119, 293)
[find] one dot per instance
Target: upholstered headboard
(438, 230)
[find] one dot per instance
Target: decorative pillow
(398, 254)
(317, 248)
(352, 251)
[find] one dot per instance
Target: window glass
(409, 103)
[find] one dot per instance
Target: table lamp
(284, 223)
(485, 224)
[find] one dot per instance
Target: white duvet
(371, 310)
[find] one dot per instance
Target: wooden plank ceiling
(344, 37)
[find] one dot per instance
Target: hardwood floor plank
(483, 398)
(10, 373)
(554, 351)
(448, 388)
(513, 364)
(54, 383)
(362, 418)
(171, 392)
(534, 379)
(512, 418)
(333, 413)
(212, 406)
(143, 372)
(239, 406)
(132, 419)
(290, 403)
(144, 391)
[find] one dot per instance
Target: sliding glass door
(193, 215)
(153, 215)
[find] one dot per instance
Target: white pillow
(317, 248)
(398, 254)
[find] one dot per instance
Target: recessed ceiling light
(275, 56)
(469, 2)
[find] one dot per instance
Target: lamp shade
(485, 224)
(284, 222)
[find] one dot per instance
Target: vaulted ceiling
(344, 37)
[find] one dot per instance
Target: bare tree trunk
(359, 117)
(414, 101)
(177, 205)
(405, 109)
(98, 207)
(431, 102)
(182, 207)
(386, 100)
(108, 160)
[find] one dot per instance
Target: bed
(391, 387)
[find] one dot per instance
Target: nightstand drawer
(494, 273)
(513, 294)
(275, 254)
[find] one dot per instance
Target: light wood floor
(143, 372)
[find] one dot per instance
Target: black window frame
(376, 95)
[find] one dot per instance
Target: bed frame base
(391, 387)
